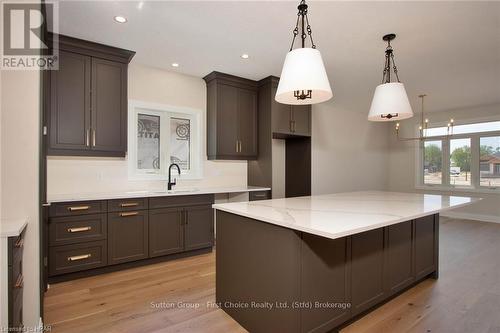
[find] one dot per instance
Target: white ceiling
(449, 50)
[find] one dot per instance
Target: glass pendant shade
(303, 74)
(390, 102)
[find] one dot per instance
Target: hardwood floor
(465, 299)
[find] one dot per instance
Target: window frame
(136, 107)
(445, 174)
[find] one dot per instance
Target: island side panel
(257, 262)
(426, 246)
(325, 282)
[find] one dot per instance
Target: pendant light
(303, 78)
(390, 101)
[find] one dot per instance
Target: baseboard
(469, 216)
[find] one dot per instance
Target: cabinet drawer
(77, 229)
(77, 208)
(77, 257)
(15, 250)
(122, 205)
(181, 200)
(16, 308)
(259, 195)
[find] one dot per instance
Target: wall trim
(469, 216)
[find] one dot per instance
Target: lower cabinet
(398, 270)
(127, 236)
(367, 265)
(166, 231)
(94, 234)
(199, 227)
(173, 230)
(426, 245)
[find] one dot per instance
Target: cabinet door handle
(236, 146)
(186, 220)
(129, 204)
(80, 229)
(80, 257)
(259, 195)
(77, 208)
(19, 282)
(87, 137)
(19, 243)
(129, 214)
(93, 137)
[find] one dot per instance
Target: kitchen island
(315, 264)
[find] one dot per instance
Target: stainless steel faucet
(170, 183)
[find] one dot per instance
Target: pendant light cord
(305, 20)
(389, 56)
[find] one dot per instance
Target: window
(489, 157)
(460, 162)
(160, 135)
(472, 162)
(433, 162)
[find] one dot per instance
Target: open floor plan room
(250, 166)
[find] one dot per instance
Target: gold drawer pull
(259, 195)
(81, 257)
(76, 208)
(19, 243)
(129, 204)
(129, 214)
(19, 282)
(80, 229)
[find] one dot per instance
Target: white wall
(19, 144)
(349, 153)
(68, 175)
(402, 159)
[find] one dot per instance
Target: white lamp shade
(303, 70)
(390, 102)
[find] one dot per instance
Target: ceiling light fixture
(424, 125)
(245, 56)
(303, 78)
(390, 101)
(175, 64)
(120, 19)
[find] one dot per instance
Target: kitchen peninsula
(323, 261)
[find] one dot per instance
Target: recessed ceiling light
(245, 56)
(120, 19)
(175, 64)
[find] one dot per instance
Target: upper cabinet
(288, 120)
(87, 100)
(231, 117)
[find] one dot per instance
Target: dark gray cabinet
(288, 120)
(398, 270)
(88, 237)
(426, 245)
(127, 236)
(367, 263)
(325, 278)
(87, 108)
(15, 283)
(109, 106)
(231, 117)
(166, 231)
(70, 103)
(199, 227)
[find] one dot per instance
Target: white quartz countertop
(12, 227)
(152, 193)
(343, 214)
